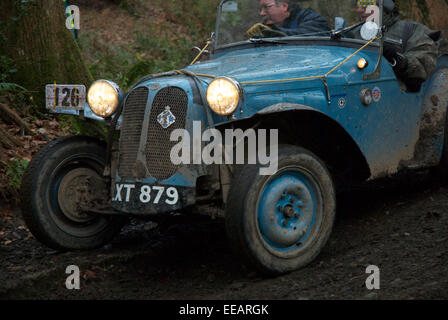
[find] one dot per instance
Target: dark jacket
(419, 47)
(303, 21)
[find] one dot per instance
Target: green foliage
(110, 62)
(199, 16)
(16, 93)
(69, 124)
(166, 53)
(151, 55)
(156, 47)
(6, 86)
(7, 68)
(3, 26)
(138, 70)
(127, 5)
(14, 171)
(72, 125)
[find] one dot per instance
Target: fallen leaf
(53, 124)
(89, 274)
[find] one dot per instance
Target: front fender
(335, 143)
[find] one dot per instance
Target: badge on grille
(166, 118)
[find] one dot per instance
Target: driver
(283, 18)
(410, 47)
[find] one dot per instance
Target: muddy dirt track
(402, 227)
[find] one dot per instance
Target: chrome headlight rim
(119, 98)
(237, 86)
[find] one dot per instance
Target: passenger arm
(421, 54)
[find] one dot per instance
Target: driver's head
(274, 12)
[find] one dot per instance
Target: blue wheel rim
(289, 211)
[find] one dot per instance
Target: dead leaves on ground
(43, 131)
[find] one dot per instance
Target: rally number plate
(65, 96)
(145, 194)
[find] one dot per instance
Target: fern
(14, 171)
(5, 86)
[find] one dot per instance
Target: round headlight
(362, 63)
(223, 96)
(104, 97)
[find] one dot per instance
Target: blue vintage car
(259, 131)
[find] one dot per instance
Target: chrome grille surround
(131, 130)
(158, 145)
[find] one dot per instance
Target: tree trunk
(2, 154)
(429, 12)
(43, 49)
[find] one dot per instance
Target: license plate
(145, 194)
(65, 96)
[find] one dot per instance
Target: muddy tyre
(437, 89)
(49, 205)
(280, 223)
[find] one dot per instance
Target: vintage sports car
(331, 109)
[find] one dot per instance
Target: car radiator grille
(131, 129)
(158, 145)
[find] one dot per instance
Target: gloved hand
(390, 53)
(257, 30)
(262, 30)
(397, 60)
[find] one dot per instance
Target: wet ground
(401, 227)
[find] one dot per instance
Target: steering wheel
(273, 33)
(262, 30)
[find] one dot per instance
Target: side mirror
(339, 23)
(230, 6)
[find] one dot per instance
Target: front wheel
(61, 181)
(280, 223)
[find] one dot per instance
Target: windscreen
(240, 20)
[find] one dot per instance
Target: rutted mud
(401, 226)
